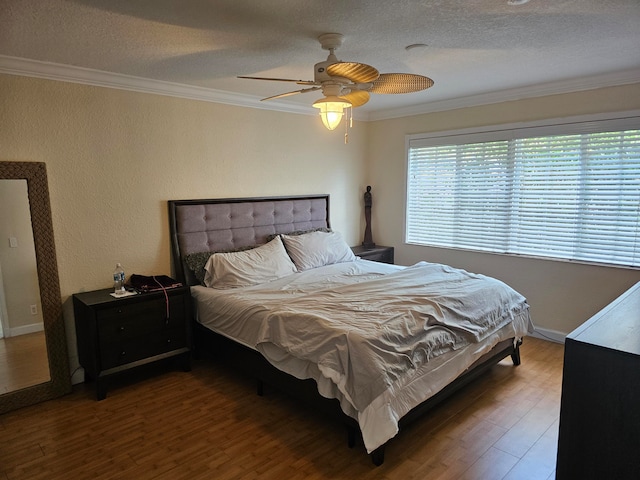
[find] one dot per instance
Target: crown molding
(552, 88)
(87, 76)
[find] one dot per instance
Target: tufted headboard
(218, 225)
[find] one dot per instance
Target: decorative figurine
(368, 239)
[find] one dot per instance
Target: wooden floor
(209, 424)
(23, 361)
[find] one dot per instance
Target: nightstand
(118, 334)
(376, 254)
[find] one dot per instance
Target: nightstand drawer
(132, 321)
(113, 354)
(381, 256)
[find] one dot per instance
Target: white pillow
(249, 267)
(316, 249)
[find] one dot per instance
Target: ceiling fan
(348, 84)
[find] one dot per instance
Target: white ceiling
(476, 49)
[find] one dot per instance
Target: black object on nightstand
(376, 254)
(118, 334)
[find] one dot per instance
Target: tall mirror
(34, 365)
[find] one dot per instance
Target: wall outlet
(34, 309)
(13, 242)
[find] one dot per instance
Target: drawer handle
(121, 329)
(123, 353)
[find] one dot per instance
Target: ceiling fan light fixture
(332, 110)
(348, 84)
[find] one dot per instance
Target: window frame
(613, 121)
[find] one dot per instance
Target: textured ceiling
(474, 47)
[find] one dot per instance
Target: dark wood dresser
(375, 254)
(599, 433)
(118, 334)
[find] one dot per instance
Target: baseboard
(77, 376)
(547, 334)
(24, 329)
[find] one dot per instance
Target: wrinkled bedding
(371, 334)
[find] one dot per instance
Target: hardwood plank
(493, 465)
(528, 430)
(209, 423)
(540, 460)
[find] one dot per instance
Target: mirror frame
(35, 173)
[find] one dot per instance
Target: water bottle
(118, 280)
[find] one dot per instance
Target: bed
(278, 293)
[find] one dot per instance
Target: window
(569, 191)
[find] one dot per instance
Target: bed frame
(214, 225)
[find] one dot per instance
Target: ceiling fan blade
(400, 83)
(356, 72)
(299, 82)
(357, 97)
(295, 92)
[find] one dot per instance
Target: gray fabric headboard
(216, 225)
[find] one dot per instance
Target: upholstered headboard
(217, 225)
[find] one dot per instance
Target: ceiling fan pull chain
(346, 129)
(348, 122)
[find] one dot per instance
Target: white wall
(562, 295)
(115, 157)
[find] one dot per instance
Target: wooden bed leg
(515, 356)
(377, 456)
(260, 388)
(196, 351)
(196, 347)
(186, 362)
(351, 437)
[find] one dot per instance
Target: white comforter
(369, 333)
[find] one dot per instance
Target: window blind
(571, 196)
